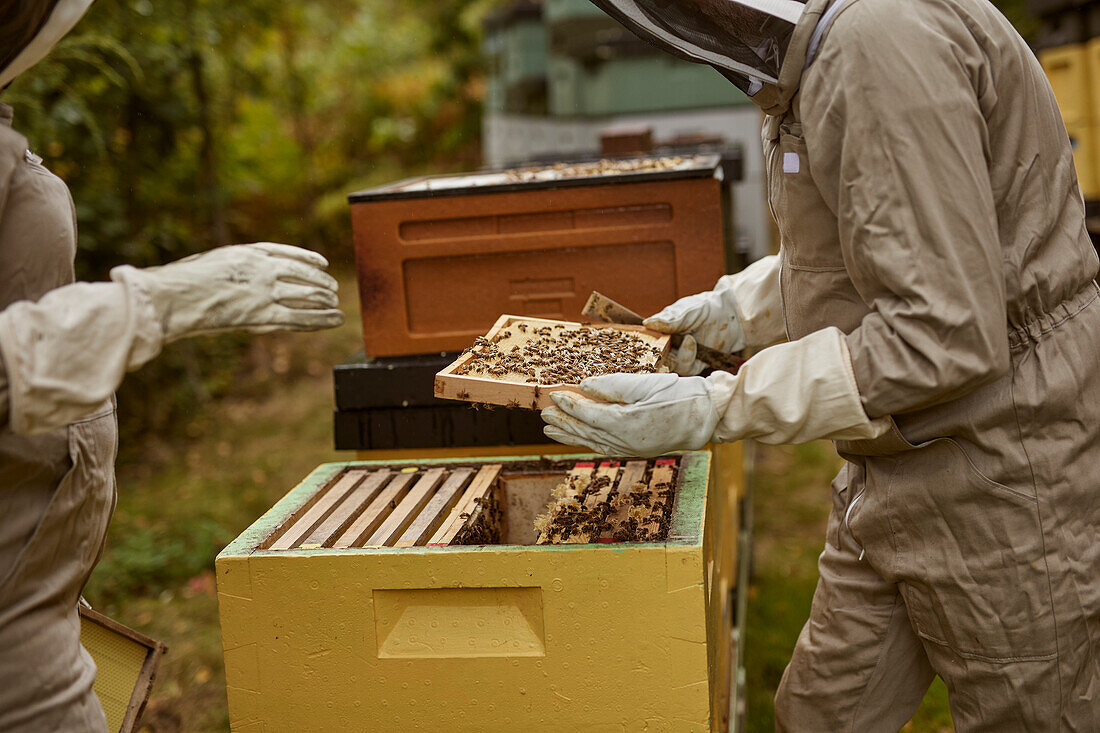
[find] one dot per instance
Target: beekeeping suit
(64, 348)
(934, 266)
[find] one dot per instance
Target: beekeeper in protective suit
(64, 348)
(935, 291)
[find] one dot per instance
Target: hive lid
(560, 175)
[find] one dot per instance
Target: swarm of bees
(628, 514)
(560, 354)
(605, 167)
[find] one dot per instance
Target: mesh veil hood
(746, 40)
(64, 16)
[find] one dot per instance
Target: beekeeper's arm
(918, 222)
(897, 150)
(743, 310)
(66, 353)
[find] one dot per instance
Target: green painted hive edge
(690, 507)
(688, 512)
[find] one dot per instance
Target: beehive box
(440, 258)
(497, 637)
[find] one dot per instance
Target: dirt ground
(181, 501)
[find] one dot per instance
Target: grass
(182, 499)
(791, 505)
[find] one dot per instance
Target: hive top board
(557, 175)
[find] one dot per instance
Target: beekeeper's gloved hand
(743, 309)
(789, 393)
(245, 287)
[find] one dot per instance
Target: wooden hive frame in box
(452, 383)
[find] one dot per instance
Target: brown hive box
(439, 258)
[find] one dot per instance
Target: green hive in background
(569, 59)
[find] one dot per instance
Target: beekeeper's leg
(858, 665)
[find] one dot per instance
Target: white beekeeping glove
(255, 288)
(789, 393)
(743, 309)
(66, 353)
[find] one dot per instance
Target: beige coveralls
(924, 188)
(57, 490)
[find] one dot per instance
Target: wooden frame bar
(577, 479)
(347, 510)
(407, 509)
(143, 685)
(633, 473)
(380, 507)
(664, 472)
(436, 511)
(303, 525)
(468, 506)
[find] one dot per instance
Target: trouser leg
(858, 665)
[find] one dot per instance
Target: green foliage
(185, 125)
(144, 561)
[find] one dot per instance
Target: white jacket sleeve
(68, 352)
(792, 393)
(758, 301)
(789, 393)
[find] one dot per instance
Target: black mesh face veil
(744, 39)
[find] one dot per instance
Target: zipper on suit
(848, 514)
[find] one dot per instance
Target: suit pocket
(807, 228)
(971, 557)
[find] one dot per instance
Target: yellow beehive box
(495, 637)
(1068, 70)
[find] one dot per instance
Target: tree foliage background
(181, 125)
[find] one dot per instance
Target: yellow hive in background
(1067, 69)
(489, 638)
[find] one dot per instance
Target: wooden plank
(609, 470)
(575, 482)
(407, 509)
(633, 473)
(375, 513)
(451, 384)
(318, 511)
(464, 511)
(428, 521)
(596, 507)
(347, 510)
(664, 470)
